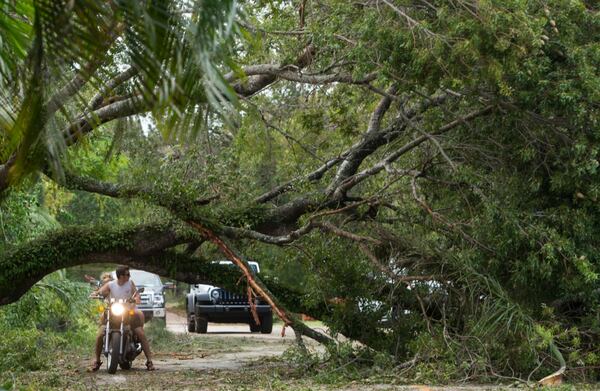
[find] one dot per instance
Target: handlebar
(99, 297)
(130, 300)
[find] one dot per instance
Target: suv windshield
(141, 277)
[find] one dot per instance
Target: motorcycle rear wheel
(113, 357)
(125, 365)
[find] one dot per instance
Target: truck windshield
(141, 277)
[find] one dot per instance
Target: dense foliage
(54, 315)
(437, 163)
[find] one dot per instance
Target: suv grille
(232, 298)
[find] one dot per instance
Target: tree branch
(345, 234)
(371, 141)
(412, 23)
(293, 73)
(381, 109)
(116, 81)
(83, 75)
(317, 174)
(25, 265)
(257, 83)
(383, 164)
(71, 88)
(88, 122)
(312, 177)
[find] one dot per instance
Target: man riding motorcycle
(122, 288)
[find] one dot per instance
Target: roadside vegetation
(51, 325)
(57, 360)
(46, 340)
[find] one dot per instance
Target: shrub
(25, 350)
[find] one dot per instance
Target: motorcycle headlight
(215, 294)
(117, 309)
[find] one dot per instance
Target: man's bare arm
(136, 295)
(103, 291)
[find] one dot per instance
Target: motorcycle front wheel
(113, 353)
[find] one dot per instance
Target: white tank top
(120, 291)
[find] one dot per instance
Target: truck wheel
(266, 324)
(201, 325)
(113, 353)
(254, 328)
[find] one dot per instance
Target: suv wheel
(201, 325)
(191, 324)
(254, 328)
(266, 324)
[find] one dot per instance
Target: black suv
(207, 303)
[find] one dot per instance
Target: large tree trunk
(143, 246)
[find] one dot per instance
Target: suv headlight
(159, 300)
(215, 294)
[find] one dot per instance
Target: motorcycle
(121, 345)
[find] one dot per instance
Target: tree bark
(145, 245)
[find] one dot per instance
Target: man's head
(122, 273)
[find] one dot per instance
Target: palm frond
(495, 311)
(53, 52)
(15, 35)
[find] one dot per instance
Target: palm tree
(67, 67)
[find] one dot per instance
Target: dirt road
(178, 324)
(255, 346)
(228, 357)
(225, 347)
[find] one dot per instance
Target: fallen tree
(417, 175)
